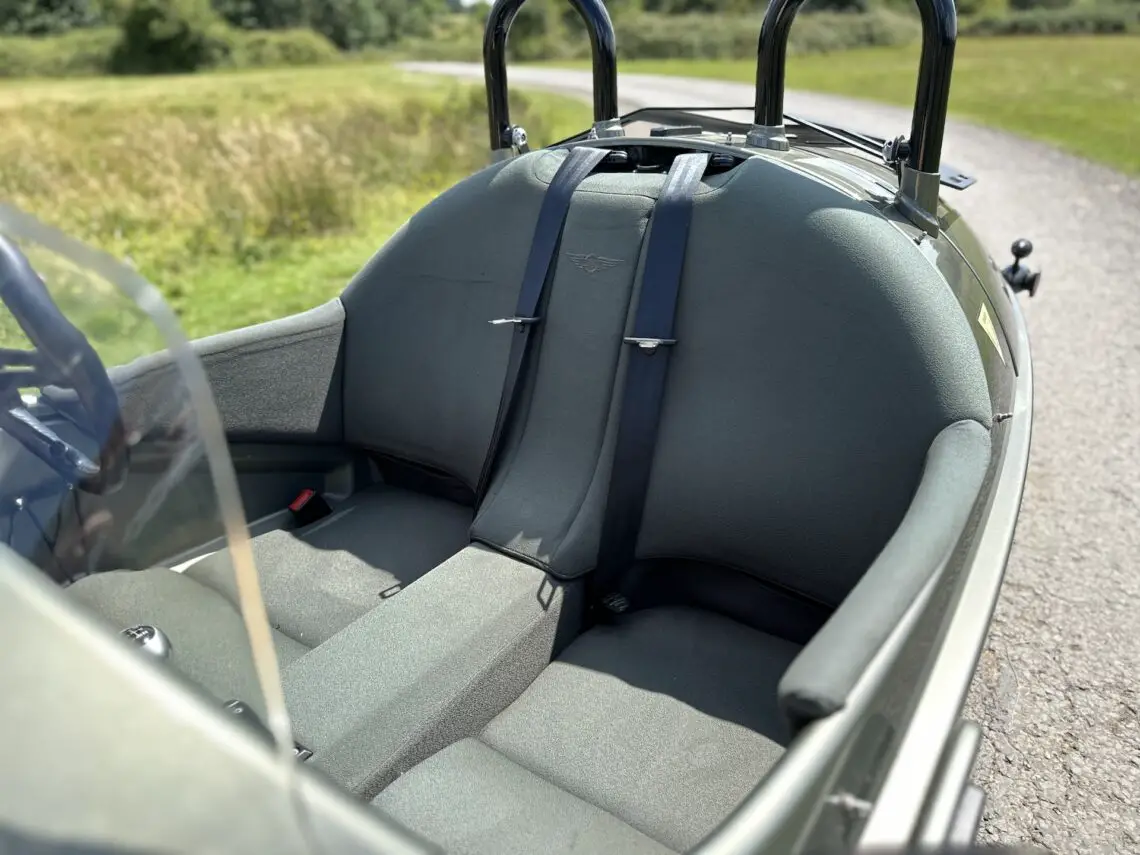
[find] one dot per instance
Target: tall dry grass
(232, 181)
(197, 179)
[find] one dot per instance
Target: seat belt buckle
(308, 507)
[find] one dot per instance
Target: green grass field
(251, 195)
(247, 196)
(1080, 93)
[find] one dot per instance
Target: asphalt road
(1058, 689)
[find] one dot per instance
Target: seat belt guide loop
(520, 323)
(650, 345)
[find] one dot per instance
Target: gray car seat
(823, 437)
(417, 380)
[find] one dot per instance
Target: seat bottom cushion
(208, 639)
(319, 579)
(665, 721)
(471, 800)
(431, 667)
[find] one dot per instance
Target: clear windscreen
(115, 479)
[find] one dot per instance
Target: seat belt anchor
(650, 345)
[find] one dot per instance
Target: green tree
(170, 36)
(264, 14)
(682, 7)
(352, 24)
(837, 5)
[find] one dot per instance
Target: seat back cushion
(423, 368)
(545, 500)
(553, 449)
(819, 355)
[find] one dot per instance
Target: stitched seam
(776, 587)
(402, 456)
(506, 755)
(572, 791)
(513, 553)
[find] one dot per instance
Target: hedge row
(349, 24)
(81, 52)
(97, 51)
(654, 36)
(1072, 20)
(154, 38)
(703, 37)
(188, 44)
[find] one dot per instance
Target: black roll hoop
(919, 184)
(506, 137)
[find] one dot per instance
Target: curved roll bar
(928, 125)
(603, 42)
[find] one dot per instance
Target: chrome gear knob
(151, 639)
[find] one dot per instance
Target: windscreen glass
(116, 484)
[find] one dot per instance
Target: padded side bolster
(817, 682)
(432, 665)
(279, 380)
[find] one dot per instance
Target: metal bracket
(772, 137)
(650, 345)
(918, 198)
(608, 129)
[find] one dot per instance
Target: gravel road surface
(1058, 689)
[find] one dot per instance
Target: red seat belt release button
(308, 507)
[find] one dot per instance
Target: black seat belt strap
(640, 412)
(579, 163)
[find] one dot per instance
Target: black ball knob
(1021, 278)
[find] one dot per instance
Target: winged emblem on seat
(592, 263)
